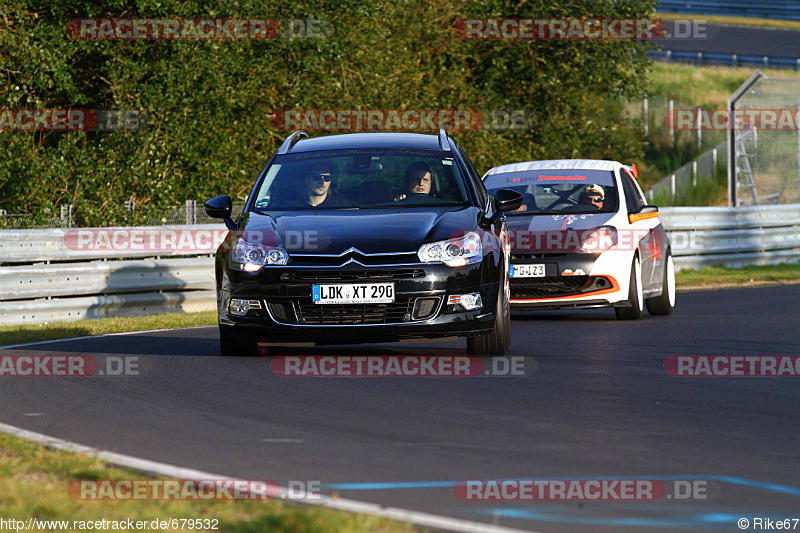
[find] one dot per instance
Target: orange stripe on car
(642, 216)
(614, 288)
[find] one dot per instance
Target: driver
(419, 180)
(593, 195)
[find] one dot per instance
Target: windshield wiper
(402, 206)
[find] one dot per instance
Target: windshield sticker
(562, 178)
(569, 219)
(447, 161)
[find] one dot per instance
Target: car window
(362, 178)
(633, 198)
(559, 190)
(483, 195)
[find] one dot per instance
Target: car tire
(495, 342)
(233, 345)
(664, 303)
(508, 328)
(634, 312)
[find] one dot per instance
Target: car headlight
(251, 257)
(600, 239)
(453, 252)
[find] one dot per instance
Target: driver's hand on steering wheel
(398, 198)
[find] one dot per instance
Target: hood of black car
(369, 230)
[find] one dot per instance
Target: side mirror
(647, 211)
(221, 207)
(508, 200)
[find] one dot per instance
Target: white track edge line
(99, 335)
(339, 504)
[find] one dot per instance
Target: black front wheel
(496, 341)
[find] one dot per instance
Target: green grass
(715, 276)
(34, 480)
(736, 21)
(704, 86)
(61, 330)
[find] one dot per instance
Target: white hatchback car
(585, 237)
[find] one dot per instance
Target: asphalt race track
(728, 39)
(598, 405)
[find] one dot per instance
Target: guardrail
(716, 58)
(45, 277)
(55, 275)
(733, 236)
(775, 9)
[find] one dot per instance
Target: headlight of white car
(600, 239)
(251, 257)
(453, 252)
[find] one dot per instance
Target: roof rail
(443, 143)
(291, 140)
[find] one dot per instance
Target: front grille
(315, 314)
(351, 275)
(366, 260)
(550, 287)
(528, 256)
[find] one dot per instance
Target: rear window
(559, 191)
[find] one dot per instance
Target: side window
(633, 198)
(483, 196)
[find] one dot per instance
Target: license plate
(353, 293)
(526, 271)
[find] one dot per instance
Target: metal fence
(44, 278)
(773, 9)
(678, 187)
(653, 114)
(764, 157)
(718, 58)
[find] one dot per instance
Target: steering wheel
(418, 197)
(559, 203)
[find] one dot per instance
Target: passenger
(528, 202)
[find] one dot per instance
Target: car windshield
(559, 191)
(362, 179)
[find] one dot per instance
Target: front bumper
(572, 280)
(288, 314)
